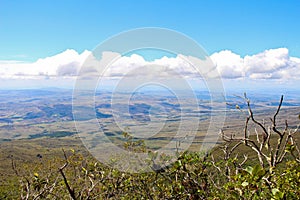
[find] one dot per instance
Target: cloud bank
(270, 64)
(65, 64)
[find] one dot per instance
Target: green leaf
(245, 183)
(249, 169)
(277, 194)
(267, 146)
(177, 164)
(258, 171)
(274, 191)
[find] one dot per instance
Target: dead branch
(70, 190)
(265, 132)
(272, 154)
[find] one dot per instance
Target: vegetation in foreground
(264, 165)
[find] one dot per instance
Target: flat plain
(41, 122)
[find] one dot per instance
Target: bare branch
(274, 118)
(70, 190)
(252, 118)
(244, 161)
(246, 128)
(214, 164)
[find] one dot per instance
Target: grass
(26, 151)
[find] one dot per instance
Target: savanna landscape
(149, 100)
(42, 155)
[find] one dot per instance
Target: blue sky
(255, 40)
(35, 29)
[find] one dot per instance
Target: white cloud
(66, 63)
(268, 61)
(135, 65)
(229, 65)
(270, 64)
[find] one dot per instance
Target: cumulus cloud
(229, 65)
(66, 63)
(267, 61)
(135, 65)
(270, 64)
(69, 69)
(113, 65)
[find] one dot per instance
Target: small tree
(271, 147)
